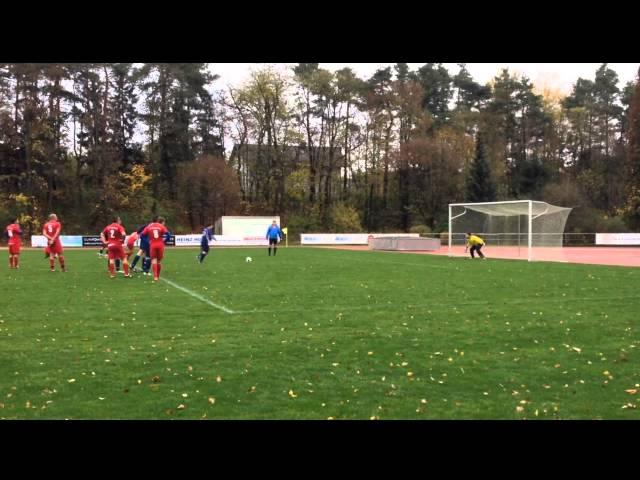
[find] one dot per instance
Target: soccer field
(316, 334)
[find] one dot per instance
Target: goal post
(520, 229)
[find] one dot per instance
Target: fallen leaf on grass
(181, 406)
(211, 400)
(632, 391)
(292, 395)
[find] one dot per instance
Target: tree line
(327, 151)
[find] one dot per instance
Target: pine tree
(480, 187)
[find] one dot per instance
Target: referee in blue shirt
(273, 233)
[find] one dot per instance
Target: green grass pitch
(318, 334)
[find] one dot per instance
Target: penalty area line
(198, 297)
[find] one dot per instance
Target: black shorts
(476, 248)
(273, 241)
(204, 246)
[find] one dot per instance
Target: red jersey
(131, 239)
(14, 232)
(114, 234)
(156, 232)
(52, 230)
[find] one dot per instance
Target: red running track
(618, 256)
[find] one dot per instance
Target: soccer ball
(248, 260)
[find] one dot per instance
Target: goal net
(521, 229)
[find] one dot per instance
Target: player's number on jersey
(113, 233)
(10, 233)
(50, 228)
(156, 234)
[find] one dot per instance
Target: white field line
(198, 297)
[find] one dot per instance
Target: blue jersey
(207, 236)
(144, 239)
(274, 232)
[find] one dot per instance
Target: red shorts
(55, 248)
(157, 252)
(115, 251)
(14, 248)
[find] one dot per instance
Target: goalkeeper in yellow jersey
(476, 244)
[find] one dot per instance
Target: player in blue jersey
(272, 235)
(207, 236)
(143, 251)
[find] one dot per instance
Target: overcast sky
(555, 76)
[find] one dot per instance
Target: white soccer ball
(248, 260)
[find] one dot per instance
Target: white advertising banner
(347, 238)
(221, 240)
(188, 240)
(181, 241)
(38, 241)
(617, 238)
(66, 240)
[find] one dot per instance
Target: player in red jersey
(52, 230)
(156, 232)
(14, 232)
(130, 244)
(113, 236)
